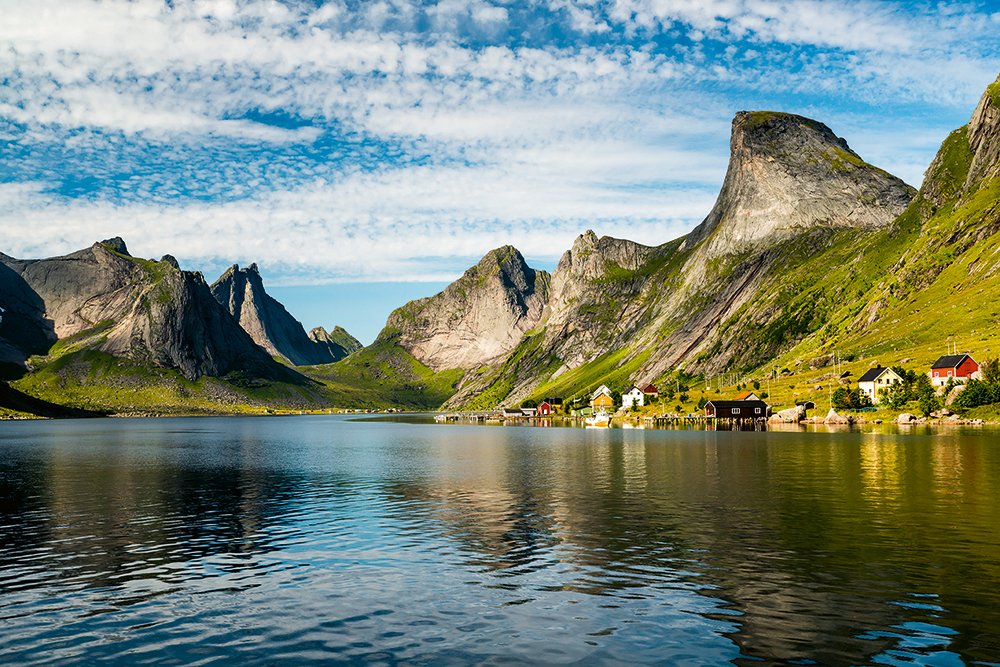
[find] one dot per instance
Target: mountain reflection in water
(319, 539)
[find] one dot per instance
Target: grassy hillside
(383, 376)
(92, 380)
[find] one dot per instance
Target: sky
(365, 153)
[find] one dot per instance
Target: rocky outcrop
(151, 312)
(478, 318)
(832, 417)
(792, 415)
(270, 325)
(787, 174)
(595, 301)
(984, 137)
(338, 341)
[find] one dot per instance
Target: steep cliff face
(788, 174)
(479, 317)
(242, 293)
(984, 137)
(597, 297)
(103, 299)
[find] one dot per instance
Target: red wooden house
(544, 409)
(959, 367)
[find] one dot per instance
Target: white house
(633, 396)
(876, 379)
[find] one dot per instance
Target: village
(879, 394)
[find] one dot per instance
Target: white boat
(601, 420)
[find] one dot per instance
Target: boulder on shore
(791, 415)
(905, 418)
(833, 418)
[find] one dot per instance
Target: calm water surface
(294, 540)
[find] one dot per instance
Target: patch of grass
(993, 92)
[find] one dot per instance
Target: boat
(601, 420)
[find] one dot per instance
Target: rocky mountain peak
(270, 325)
(788, 174)
(984, 136)
(479, 317)
(117, 244)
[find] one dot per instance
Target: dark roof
(872, 374)
(650, 389)
(950, 361)
(737, 404)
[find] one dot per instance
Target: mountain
(338, 341)
(104, 299)
(271, 326)
(622, 312)
(477, 319)
(105, 329)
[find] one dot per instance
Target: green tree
(990, 370)
(756, 385)
(926, 397)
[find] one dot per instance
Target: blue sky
(363, 153)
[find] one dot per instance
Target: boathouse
(544, 409)
(959, 367)
(736, 410)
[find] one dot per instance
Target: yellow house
(601, 399)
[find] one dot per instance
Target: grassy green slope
(384, 375)
(92, 380)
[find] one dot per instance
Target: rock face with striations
(478, 318)
(142, 310)
(788, 174)
(242, 293)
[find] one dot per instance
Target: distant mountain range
(809, 250)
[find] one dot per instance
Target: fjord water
(292, 540)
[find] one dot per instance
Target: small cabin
(544, 409)
(957, 367)
(633, 397)
(737, 410)
(529, 412)
(650, 391)
(511, 413)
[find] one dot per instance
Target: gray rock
(832, 417)
(477, 319)
(905, 418)
(145, 311)
(269, 324)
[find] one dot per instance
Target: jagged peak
(788, 173)
(984, 136)
(116, 244)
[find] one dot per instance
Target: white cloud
(487, 141)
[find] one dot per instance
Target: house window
(757, 410)
(936, 374)
(949, 373)
(736, 411)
